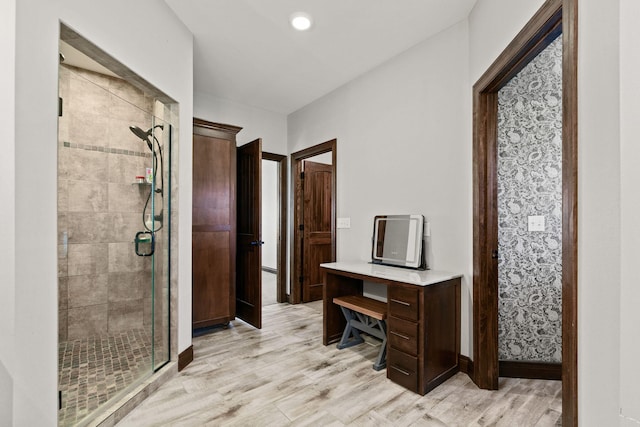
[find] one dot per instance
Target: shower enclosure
(114, 157)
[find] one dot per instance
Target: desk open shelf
(423, 317)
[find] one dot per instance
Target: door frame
(295, 286)
(281, 250)
(554, 16)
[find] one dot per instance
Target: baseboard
(531, 370)
(270, 270)
(185, 358)
(466, 365)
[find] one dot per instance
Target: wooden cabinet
(423, 319)
(424, 334)
(214, 223)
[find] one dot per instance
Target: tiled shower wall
(103, 286)
(530, 183)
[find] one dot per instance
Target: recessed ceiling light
(300, 21)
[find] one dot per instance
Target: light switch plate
(536, 223)
(343, 223)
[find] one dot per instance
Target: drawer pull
(402, 371)
(401, 302)
(404, 337)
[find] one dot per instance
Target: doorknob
(257, 243)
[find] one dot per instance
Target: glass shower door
(161, 207)
(113, 305)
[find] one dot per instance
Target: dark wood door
(249, 248)
(316, 240)
(214, 223)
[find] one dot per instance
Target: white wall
(270, 218)
(403, 133)
(255, 122)
(630, 206)
(7, 207)
(598, 213)
(161, 52)
(493, 24)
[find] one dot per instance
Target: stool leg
(381, 360)
(350, 336)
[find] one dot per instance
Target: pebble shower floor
(95, 369)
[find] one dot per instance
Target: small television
(398, 241)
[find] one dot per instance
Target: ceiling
(246, 51)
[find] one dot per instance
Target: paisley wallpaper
(530, 183)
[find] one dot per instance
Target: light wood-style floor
(283, 375)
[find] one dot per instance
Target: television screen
(397, 240)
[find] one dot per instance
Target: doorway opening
(313, 181)
(555, 17)
(274, 226)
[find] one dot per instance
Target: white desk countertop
(397, 274)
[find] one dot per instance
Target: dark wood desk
(423, 319)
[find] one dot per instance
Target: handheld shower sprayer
(147, 136)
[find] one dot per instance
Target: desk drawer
(403, 302)
(402, 369)
(403, 335)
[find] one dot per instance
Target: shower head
(144, 135)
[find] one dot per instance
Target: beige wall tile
(62, 226)
(86, 127)
(63, 293)
(89, 227)
(125, 286)
(63, 195)
(127, 197)
(85, 196)
(125, 315)
(86, 259)
(82, 165)
(62, 325)
(98, 79)
(63, 261)
(86, 96)
(123, 110)
(128, 93)
(122, 258)
(124, 168)
(103, 284)
(121, 137)
(87, 321)
(147, 311)
(125, 225)
(87, 290)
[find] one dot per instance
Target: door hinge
(301, 227)
(59, 106)
(301, 279)
(301, 175)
